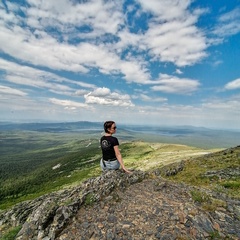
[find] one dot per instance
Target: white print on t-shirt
(105, 144)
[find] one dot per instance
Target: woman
(111, 156)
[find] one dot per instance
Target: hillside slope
(151, 204)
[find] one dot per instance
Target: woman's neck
(108, 134)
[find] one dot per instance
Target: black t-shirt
(107, 145)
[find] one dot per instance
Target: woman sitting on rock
(111, 156)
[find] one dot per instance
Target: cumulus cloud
(233, 85)
(104, 96)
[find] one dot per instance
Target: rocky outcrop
(170, 169)
(223, 173)
(155, 209)
(115, 205)
(45, 217)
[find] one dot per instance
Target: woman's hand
(127, 171)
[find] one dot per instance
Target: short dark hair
(108, 125)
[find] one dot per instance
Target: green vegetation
(39, 163)
(215, 171)
(208, 203)
(90, 199)
(35, 163)
(199, 197)
(215, 235)
(231, 184)
(146, 156)
(11, 234)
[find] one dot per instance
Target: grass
(89, 200)
(146, 156)
(206, 201)
(199, 197)
(11, 234)
(195, 172)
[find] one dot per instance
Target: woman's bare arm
(119, 158)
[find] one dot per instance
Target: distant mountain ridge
(90, 124)
(188, 135)
(56, 127)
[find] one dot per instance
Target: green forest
(34, 163)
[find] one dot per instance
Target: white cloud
(233, 85)
(134, 72)
(101, 92)
(223, 106)
(165, 9)
(31, 77)
(178, 42)
(40, 47)
(172, 84)
(99, 15)
(68, 104)
(178, 71)
(81, 92)
(24, 107)
(11, 91)
(103, 96)
(228, 23)
(217, 63)
(213, 113)
(148, 98)
(171, 36)
(44, 51)
(130, 39)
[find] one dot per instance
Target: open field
(146, 156)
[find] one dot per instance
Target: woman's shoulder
(114, 137)
(109, 137)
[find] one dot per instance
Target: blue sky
(160, 62)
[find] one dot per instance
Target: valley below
(50, 177)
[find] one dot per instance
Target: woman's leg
(114, 165)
